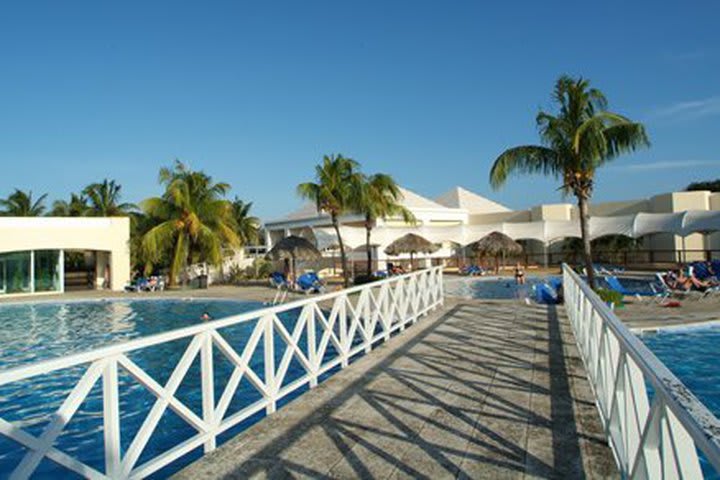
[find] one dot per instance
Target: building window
(15, 272)
(47, 270)
(28, 272)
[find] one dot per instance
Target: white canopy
(638, 225)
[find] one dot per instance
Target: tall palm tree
(379, 197)
(76, 207)
(21, 204)
(581, 137)
(104, 200)
(247, 226)
(193, 222)
(336, 184)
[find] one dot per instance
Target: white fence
(353, 321)
(653, 435)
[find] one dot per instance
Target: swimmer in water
(205, 316)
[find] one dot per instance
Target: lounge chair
(614, 284)
(473, 270)
(544, 294)
(310, 283)
(668, 291)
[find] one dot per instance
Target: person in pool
(519, 274)
(205, 317)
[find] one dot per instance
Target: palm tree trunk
(343, 257)
(585, 234)
(368, 231)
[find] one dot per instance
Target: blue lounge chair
(310, 283)
(544, 294)
(614, 284)
(278, 280)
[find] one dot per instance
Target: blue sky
(431, 92)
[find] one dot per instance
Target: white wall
(111, 235)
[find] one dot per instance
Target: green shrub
(610, 296)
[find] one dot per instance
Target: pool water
(35, 332)
(505, 288)
(491, 288)
(692, 354)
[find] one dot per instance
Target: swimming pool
(490, 288)
(34, 332)
(505, 288)
(692, 354)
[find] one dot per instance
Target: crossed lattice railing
(333, 328)
(653, 423)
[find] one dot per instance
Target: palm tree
(336, 184)
(581, 137)
(247, 226)
(379, 197)
(192, 220)
(76, 207)
(104, 200)
(21, 204)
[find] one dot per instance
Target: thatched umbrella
(294, 248)
(496, 244)
(412, 244)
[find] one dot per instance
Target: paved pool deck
(474, 390)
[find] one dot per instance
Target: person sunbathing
(688, 282)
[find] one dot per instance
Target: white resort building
(52, 254)
(670, 227)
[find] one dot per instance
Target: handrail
(354, 321)
(648, 436)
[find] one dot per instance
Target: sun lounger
(310, 283)
(615, 285)
(544, 294)
(689, 294)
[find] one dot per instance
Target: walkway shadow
(456, 399)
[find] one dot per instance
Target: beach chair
(668, 291)
(310, 283)
(279, 282)
(544, 294)
(614, 284)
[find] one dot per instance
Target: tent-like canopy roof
(638, 225)
(459, 197)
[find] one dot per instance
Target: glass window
(15, 274)
(47, 270)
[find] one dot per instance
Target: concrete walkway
(479, 390)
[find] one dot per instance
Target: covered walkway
(478, 390)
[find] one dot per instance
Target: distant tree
(21, 204)
(190, 222)
(76, 207)
(336, 182)
(104, 200)
(247, 226)
(712, 185)
(379, 197)
(581, 137)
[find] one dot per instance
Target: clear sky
(431, 92)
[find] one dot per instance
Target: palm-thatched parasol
(412, 244)
(294, 248)
(496, 244)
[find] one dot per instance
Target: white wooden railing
(653, 423)
(358, 319)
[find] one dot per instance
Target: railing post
(208, 389)
(343, 326)
(312, 346)
(269, 360)
(111, 418)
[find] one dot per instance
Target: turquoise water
(491, 288)
(30, 333)
(693, 356)
(505, 288)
